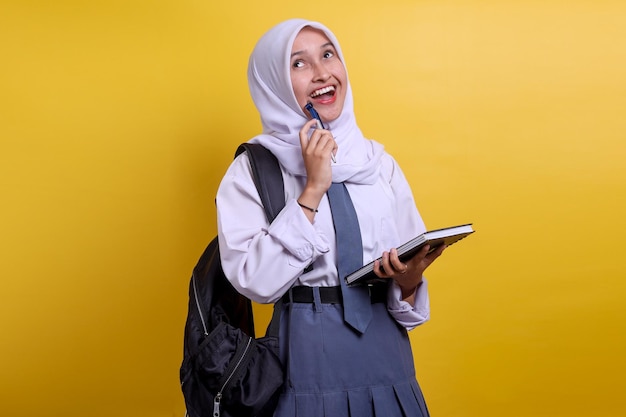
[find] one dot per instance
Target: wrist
(407, 290)
(311, 209)
(310, 198)
(314, 190)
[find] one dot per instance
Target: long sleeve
(262, 261)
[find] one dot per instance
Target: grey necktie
(357, 307)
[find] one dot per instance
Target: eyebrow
(327, 44)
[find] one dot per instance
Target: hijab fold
(282, 118)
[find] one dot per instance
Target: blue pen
(320, 125)
(309, 107)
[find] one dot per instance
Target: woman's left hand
(408, 275)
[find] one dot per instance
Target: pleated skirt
(333, 371)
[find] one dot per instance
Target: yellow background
(118, 118)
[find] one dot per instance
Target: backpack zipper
(218, 396)
(195, 293)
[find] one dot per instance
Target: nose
(320, 72)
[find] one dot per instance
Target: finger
(321, 143)
(386, 264)
(436, 253)
(329, 143)
(395, 261)
(378, 269)
(393, 256)
(421, 255)
(304, 132)
(331, 147)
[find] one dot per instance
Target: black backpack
(225, 370)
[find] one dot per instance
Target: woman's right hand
(316, 153)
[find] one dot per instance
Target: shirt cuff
(407, 315)
(298, 236)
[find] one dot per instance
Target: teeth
(322, 91)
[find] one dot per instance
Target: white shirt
(263, 261)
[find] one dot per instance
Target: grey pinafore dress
(333, 371)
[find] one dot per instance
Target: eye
(297, 64)
(328, 54)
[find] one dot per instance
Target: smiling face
(317, 74)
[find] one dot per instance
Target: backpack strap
(268, 179)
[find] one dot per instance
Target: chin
(331, 114)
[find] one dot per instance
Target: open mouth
(324, 92)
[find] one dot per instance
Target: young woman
(334, 368)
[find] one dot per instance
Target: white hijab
(282, 118)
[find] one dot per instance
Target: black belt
(331, 295)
